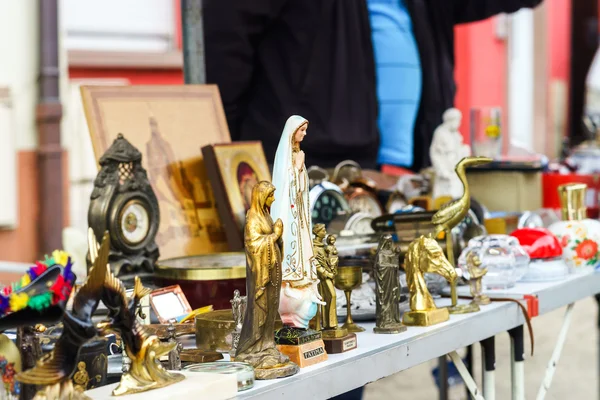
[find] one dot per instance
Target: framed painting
(234, 169)
(168, 125)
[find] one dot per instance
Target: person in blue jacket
(413, 42)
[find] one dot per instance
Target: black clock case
(110, 195)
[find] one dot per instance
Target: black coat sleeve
(476, 10)
(233, 30)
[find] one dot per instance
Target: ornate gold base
(199, 356)
(64, 390)
(130, 385)
(334, 333)
(482, 300)
(463, 308)
(352, 327)
(341, 344)
(306, 354)
(390, 329)
(280, 371)
(426, 318)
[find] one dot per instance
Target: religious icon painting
(234, 169)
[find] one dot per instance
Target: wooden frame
(175, 290)
(168, 125)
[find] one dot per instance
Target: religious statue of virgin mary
(299, 294)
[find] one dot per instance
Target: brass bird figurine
(54, 370)
(451, 214)
(143, 348)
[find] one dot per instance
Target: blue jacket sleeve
(233, 30)
(477, 10)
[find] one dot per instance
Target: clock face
(134, 222)
(365, 203)
(327, 206)
(363, 226)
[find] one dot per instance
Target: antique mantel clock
(327, 201)
(124, 204)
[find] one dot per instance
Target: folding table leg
(443, 370)
(488, 350)
(466, 376)
(469, 364)
(551, 368)
(517, 363)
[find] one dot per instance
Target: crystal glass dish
(502, 255)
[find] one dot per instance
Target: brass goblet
(348, 278)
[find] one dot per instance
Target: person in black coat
(275, 58)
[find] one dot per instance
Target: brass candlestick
(348, 278)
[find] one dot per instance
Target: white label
(313, 353)
(349, 344)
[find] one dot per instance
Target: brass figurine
(476, 274)
(387, 281)
(337, 339)
(238, 309)
(425, 255)
(327, 263)
(143, 349)
(348, 278)
(174, 361)
(450, 215)
(262, 240)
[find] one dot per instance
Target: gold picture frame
(234, 169)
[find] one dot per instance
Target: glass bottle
(578, 235)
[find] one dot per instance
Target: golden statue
(476, 274)
(327, 258)
(425, 255)
(262, 240)
(450, 215)
(143, 349)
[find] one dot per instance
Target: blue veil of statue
(284, 205)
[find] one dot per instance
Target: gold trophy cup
(348, 278)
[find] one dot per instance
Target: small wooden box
(341, 345)
(306, 354)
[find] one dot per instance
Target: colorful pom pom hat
(40, 296)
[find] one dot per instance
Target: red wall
(559, 38)
(135, 76)
(480, 72)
